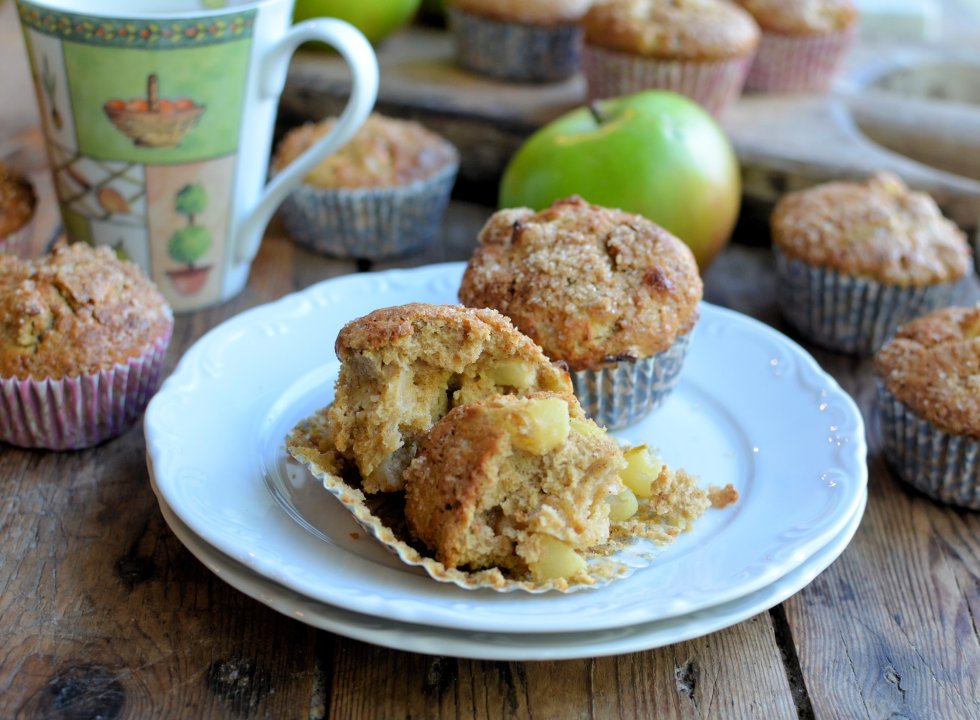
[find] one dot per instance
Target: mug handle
(360, 58)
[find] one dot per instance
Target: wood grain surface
(104, 614)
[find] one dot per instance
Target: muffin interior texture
(484, 491)
(592, 286)
(75, 312)
(403, 368)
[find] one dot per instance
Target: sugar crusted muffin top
(591, 285)
(17, 201)
(878, 229)
(384, 152)
(933, 366)
(75, 312)
(535, 12)
(681, 29)
(802, 17)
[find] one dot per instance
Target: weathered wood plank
(707, 677)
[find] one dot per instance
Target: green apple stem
(596, 111)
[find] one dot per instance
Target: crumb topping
(879, 229)
(591, 285)
(75, 312)
(933, 366)
(384, 152)
(682, 29)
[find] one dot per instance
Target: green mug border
(145, 33)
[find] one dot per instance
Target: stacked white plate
(752, 409)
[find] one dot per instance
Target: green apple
(375, 18)
(654, 153)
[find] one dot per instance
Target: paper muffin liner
(943, 466)
(369, 223)
(846, 313)
(715, 85)
(516, 51)
(797, 63)
(19, 241)
(620, 395)
(382, 516)
(78, 412)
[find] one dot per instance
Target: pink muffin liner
(19, 242)
(797, 63)
(78, 412)
(715, 85)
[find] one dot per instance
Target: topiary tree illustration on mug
(191, 243)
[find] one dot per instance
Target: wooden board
(923, 125)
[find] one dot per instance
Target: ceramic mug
(158, 118)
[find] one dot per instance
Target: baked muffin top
(591, 285)
(802, 17)
(682, 29)
(877, 229)
(933, 366)
(75, 312)
(384, 152)
(535, 12)
(17, 201)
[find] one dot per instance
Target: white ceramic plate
(752, 408)
(504, 646)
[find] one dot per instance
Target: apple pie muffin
(403, 368)
(929, 404)
(609, 293)
(855, 260)
(522, 40)
(699, 48)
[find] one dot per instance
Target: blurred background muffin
(699, 48)
(803, 44)
(381, 195)
(856, 260)
(17, 205)
(611, 294)
(83, 337)
(524, 40)
(929, 404)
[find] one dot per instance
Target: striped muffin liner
(78, 412)
(846, 313)
(715, 85)
(623, 393)
(369, 223)
(516, 51)
(943, 466)
(19, 241)
(797, 63)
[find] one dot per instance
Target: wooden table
(104, 614)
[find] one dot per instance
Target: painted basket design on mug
(153, 122)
